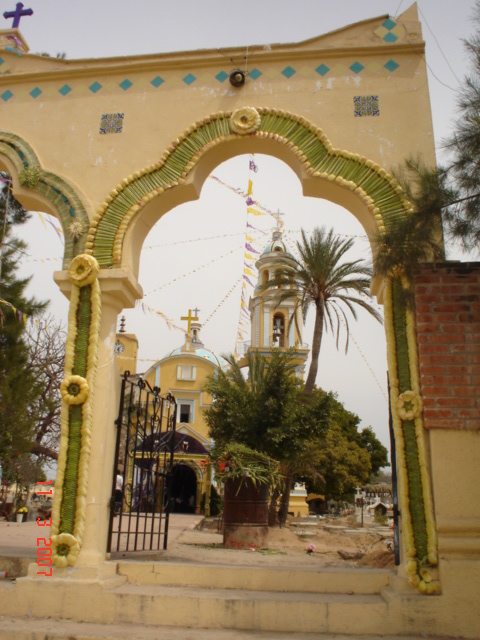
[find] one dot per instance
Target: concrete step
(364, 581)
(41, 629)
(272, 611)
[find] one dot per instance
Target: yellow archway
(114, 242)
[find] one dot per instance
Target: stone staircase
(247, 598)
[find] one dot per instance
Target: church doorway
(184, 489)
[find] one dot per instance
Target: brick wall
(447, 299)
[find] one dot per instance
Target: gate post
(119, 290)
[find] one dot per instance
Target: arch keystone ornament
(386, 202)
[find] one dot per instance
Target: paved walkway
(18, 541)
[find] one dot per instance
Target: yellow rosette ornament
(74, 389)
(409, 405)
(65, 549)
(83, 270)
(245, 120)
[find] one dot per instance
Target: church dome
(276, 244)
(201, 352)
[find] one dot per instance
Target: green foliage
(333, 465)
(238, 462)
(18, 384)
(322, 278)
(418, 237)
(216, 502)
(267, 411)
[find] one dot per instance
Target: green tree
(19, 386)
(266, 411)
(333, 465)
(322, 278)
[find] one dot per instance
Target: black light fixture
(237, 78)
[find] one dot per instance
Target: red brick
(423, 327)
(473, 337)
(473, 425)
(445, 424)
(469, 413)
(449, 338)
(451, 308)
(465, 391)
(442, 414)
(457, 327)
(444, 380)
(429, 370)
(448, 358)
(436, 392)
(461, 403)
(434, 348)
(467, 317)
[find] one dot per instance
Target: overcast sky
(183, 265)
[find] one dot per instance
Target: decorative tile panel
(389, 31)
(221, 76)
(366, 106)
(356, 67)
(157, 81)
(111, 123)
(126, 84)
(254, 74)
(96, 86)
(391, 65)
(288, 72)
(322, 69)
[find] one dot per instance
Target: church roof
(276, 244)
(201, 352)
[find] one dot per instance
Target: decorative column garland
(68, 513)
(418, 525)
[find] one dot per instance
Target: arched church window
(278, 330)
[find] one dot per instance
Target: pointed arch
(44, 187)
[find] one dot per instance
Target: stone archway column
(119, 290)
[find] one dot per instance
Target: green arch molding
(387, 203)
(53, 188)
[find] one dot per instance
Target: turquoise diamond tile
(1, 61)
(391, 65)
(189, 79)
(389, 24)
(221, 76)
(126, 84)
(35, 92)
(322, 69)
(96, 86)
(356, 67)
(65, 90)
(390, 37)
(288, 72)
(254, 74)
(157, 81)
(6, 95)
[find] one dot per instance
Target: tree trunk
(316, 344)
(272, 509)
(285, 500)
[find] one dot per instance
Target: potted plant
(22, 514)
(247, 476)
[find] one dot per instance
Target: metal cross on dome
(190, 319)
(17, 14)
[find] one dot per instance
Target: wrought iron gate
(143, 461)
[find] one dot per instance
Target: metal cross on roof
(190, 319)
(277, 218)
(17, 14)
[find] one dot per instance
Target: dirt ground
(337, 543)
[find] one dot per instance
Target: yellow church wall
(182, 389)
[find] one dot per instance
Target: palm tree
(320, 278)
